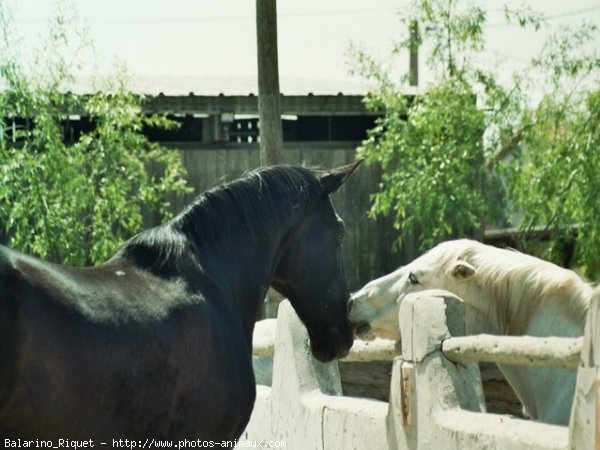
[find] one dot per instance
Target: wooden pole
(413, 65)
(269, 108)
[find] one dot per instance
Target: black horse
(157, 341)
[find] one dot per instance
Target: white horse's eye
(412, 278)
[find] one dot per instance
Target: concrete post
(585, 415)
(447, 398)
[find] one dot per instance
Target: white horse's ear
(462, 270)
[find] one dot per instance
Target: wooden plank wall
(367, 246)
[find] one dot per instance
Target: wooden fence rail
(362, 351)
(548, 352)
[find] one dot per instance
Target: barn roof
(228, 85)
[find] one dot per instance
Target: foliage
(431, 148)
(559, 178)
(75, 203)
(431, 151)
(469, 153)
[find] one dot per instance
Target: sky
(209, 46)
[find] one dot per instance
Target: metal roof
(229, 85)
(311, 105)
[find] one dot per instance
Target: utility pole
(413, 65)
(269, 108)
(269, 101)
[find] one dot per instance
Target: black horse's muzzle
(334, 343)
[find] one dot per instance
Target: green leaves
(472, 153)
(453, 28)
(76, 203)
(432, 161)
(559, 181)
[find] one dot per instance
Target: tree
(431, 146)
(431, 153)
(75, 203)
(469, 152)
(557, 184)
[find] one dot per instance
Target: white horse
(505, 293)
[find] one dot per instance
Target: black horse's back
(9, 336)
(9, 287)
(6, 267)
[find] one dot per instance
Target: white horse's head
(375, 306)
(507, 292)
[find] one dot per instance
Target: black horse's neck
(241, 227)
(232, 235)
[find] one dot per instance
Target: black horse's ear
(334, 178)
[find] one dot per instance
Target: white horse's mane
(516, 285)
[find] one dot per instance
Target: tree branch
(507, 148)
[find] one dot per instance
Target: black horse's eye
(412, 278)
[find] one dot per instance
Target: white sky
(209, 46)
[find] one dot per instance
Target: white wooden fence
(436, 396)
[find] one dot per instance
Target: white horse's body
(505, 293)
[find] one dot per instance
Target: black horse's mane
(255, 204)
